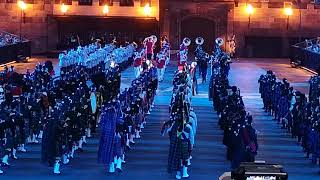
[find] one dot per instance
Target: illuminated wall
(273, 22)
(268, 20)
(115, 10)
(38, 27)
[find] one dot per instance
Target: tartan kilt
(118, 146)
(173, 159)
(184, 149)
(11, 141)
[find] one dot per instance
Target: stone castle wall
(268, 20)
(229, 18)
(39, 26)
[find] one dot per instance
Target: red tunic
(183, 63)
(149, 46)
(16, 91)
(137, 62)
(161, 63)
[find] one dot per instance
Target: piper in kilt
(179, 128)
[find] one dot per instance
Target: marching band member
(138, 58)
(161, 60)
(216, 56)
(165, 47)
(183, 53)
(149, 44)
(193, 78)
(201, 57)
(179, 127)
(232, 46)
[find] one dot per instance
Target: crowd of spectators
(7, 39)
(313, 44)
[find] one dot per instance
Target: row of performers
(239, 137)
(146, 53)
(121, 121)
(182, 125)
(68, 102)
(93, 54)
(33, 106)
(294, 111)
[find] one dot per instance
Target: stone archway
(195, 26)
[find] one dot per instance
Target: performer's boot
(142, 126)
(84, 138)
(5, 160)
(71, 154)
(14, 153)
(76, 147)
(34, 140)
(56, 168)
(80, 144)
(40, 134)
(189, 162)
(88, 132)
(29, 139)
(128, 143)
(119, 164)
(65, 159)
(1, 172)
(111, 168)
(178, 176)
(138, 135)
(115, 160)
(22, 148)
(185, 172)
(122, 159)
(131, 139)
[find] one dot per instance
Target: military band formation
(296, 113)
(61, 111)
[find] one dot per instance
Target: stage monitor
(259, 171)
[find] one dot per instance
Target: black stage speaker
(259, 171)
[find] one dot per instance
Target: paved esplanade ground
(148, 159)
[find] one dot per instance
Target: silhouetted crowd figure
(7, 39)
(313, 45)
(296, 113)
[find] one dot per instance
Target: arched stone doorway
(193, 27)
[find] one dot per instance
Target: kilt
(173, 159)
(179, 150)
(107, 139)
(184, 149)
(118, 146)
